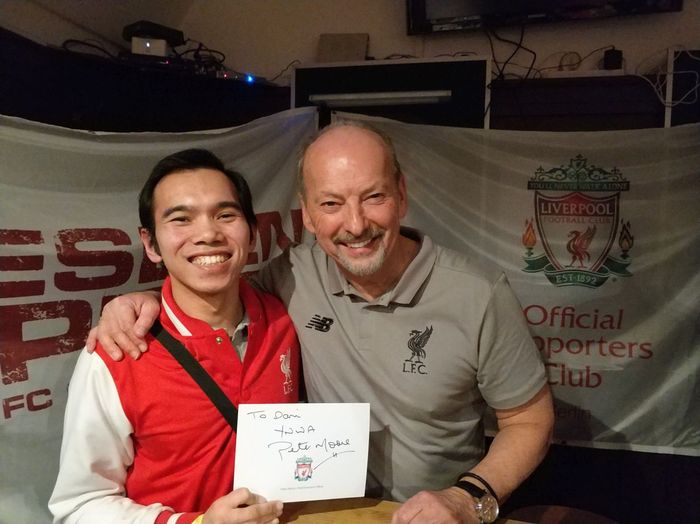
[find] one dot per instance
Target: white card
(295, 452)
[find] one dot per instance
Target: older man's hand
(124, 323)
(447, 506)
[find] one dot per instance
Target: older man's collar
(408, 285)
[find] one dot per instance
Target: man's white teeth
(356, 245)
(209, 260)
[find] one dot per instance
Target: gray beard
(364, 267)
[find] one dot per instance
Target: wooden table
(339, 511)
(346, 511)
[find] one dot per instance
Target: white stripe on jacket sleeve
(95, 453)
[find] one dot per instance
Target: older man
(426, 335)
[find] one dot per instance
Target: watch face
(487, 509)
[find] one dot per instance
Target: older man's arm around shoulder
(520, 445)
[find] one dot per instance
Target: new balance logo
(320, 323)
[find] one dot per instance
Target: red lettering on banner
(16, 352)
(552, 346)
(297, 223)
(569, 317)
(645, 350)
(70, 255)
(28, 288)
(576, 208)
(150, 272)
(17, 402)
(577, 378)
(564, 318)
(35, 406)
(273, 220)
(10, 404)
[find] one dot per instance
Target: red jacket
(183, 448)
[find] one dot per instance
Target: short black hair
(187, 160)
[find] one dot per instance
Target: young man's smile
(209, 260)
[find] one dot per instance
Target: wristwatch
(486, 504)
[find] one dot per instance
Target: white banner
(599, 234)
(69, 241)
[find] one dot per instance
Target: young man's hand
(256, 510)
(124, 323)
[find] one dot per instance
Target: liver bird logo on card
(303, 470)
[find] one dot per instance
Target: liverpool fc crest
(416, 343)
(303, 471)
(578, 230)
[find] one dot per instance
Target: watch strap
(471, 488)
(480, 479)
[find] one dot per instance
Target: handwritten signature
(286, 446)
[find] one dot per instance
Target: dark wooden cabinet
(593, 103)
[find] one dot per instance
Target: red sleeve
(164, 516)
(187, 518)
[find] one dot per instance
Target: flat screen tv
(434, 16)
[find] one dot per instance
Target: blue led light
(249, 78)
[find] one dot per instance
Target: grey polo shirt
(428, 356)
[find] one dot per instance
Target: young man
(426, 335)
(142, 441)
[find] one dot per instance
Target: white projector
(149, 46)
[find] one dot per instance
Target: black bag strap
(198, 373)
